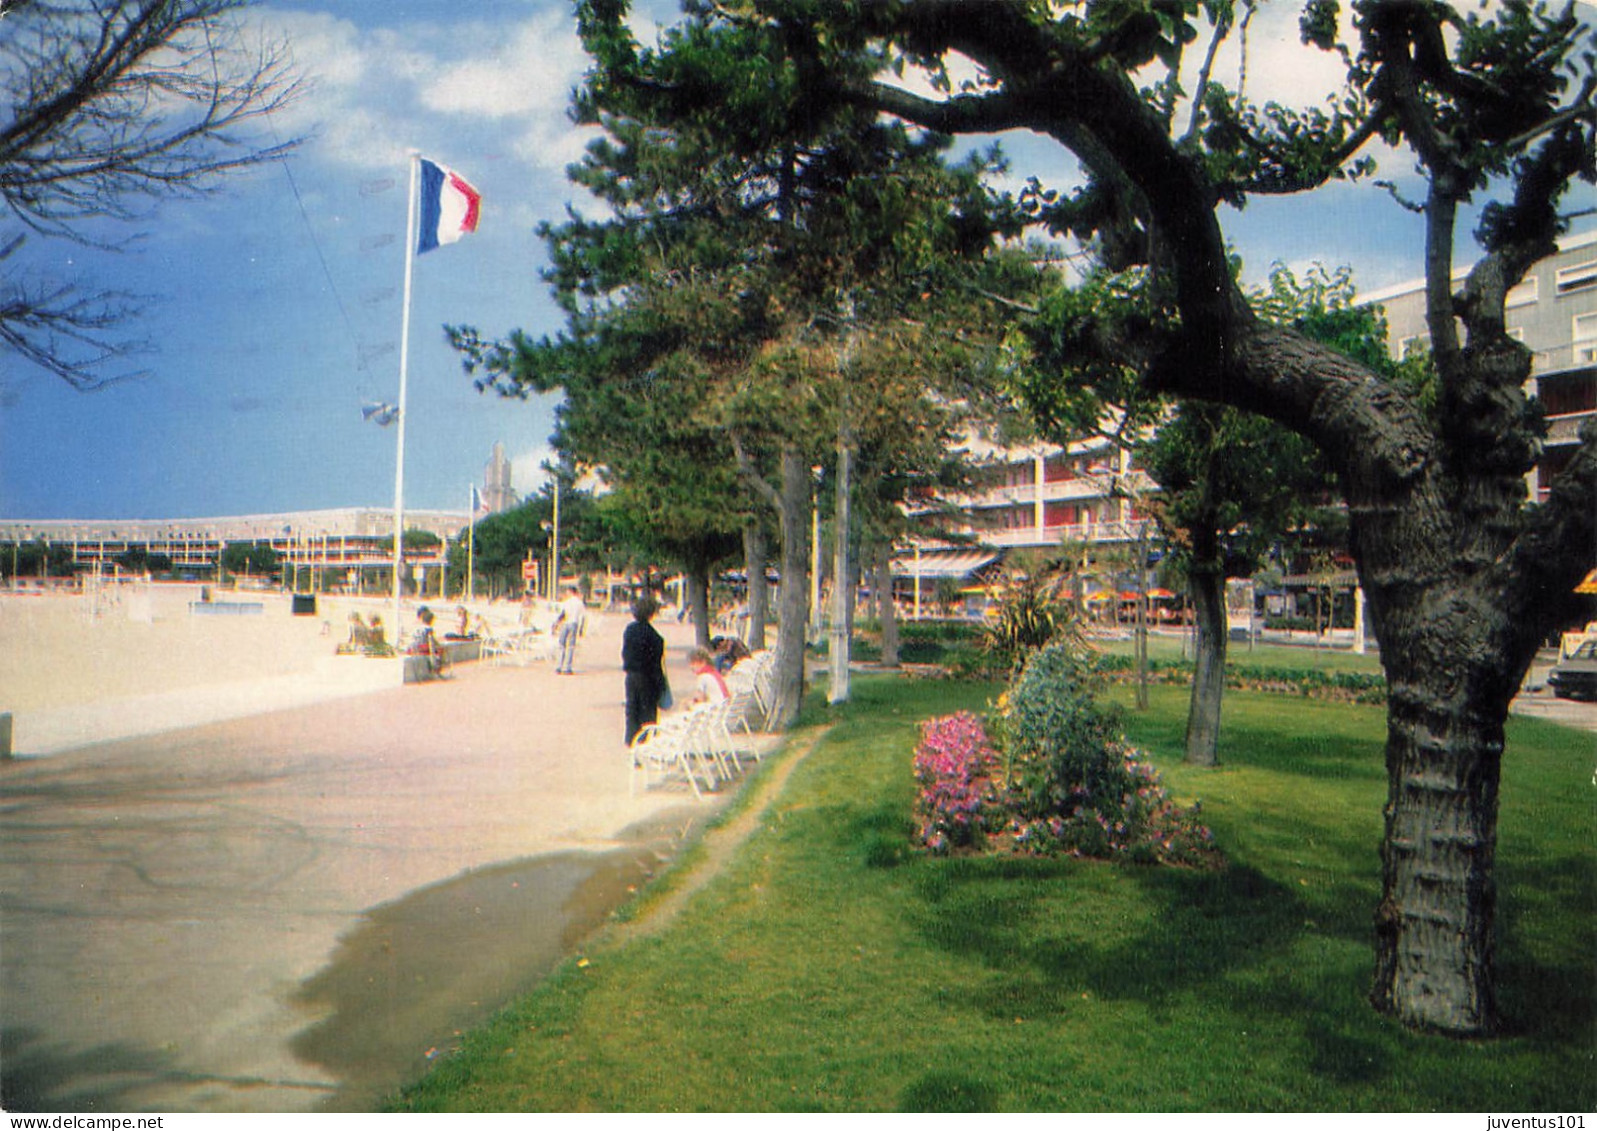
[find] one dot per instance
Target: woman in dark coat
(642, 658)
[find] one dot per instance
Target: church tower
(498, 494)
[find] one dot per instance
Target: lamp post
(815, 556)
(554, 544)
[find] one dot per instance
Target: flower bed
(1053, 776)
(954, 765)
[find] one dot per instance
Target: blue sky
(277, 303)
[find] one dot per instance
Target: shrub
(1135, 820)
(1357, 687)
(1060, 748)
(954, 764)
(1061, 780)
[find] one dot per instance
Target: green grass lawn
(1169, 647)
(829, 967)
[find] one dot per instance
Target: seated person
(728, 651)
(709, 685)
(462, 626)
(426, 644)
(359, 635)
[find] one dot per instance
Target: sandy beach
(297, 902)
(60, 650)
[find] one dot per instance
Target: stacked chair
(707, 744)
(518, 646)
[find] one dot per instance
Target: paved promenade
(290, 911)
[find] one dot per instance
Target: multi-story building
(347, 547)
(1553, 311)
(1039, 497)
(338, 547)
(1044, 496)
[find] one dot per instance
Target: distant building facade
(1553, 311)
(345, 543)
(1043, 496)
(1037, 497)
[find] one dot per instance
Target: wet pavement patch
(404, 985)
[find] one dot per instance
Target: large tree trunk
(698, 598)
(1206, 588)
(756, 555)
(1435, 937)
(794, 597)
(1456, 639)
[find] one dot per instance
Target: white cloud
(530, 72)
(374, 91)
(1280, 67)
(527, 473)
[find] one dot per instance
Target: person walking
(569, 623)
(642, 659)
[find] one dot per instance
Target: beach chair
(755, 676)
(675, 744)
(518, 646)
(728, 729)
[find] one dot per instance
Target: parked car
(1575, 676)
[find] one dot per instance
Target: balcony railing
(1060, 490)
(1565, 429)
(1093, 532)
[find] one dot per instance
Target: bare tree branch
(106, 109)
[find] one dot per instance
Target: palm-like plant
(1031, 614)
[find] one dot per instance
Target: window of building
(1580, 277)
(1583, 334)
(1567, 394)
(1522, 294)
(1059, 514)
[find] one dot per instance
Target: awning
(958, 564)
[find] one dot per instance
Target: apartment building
(1044, 496)
(1553, 311)
(1038, 497)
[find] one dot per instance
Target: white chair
(518, 646)
(728, 727)
(755, 675)
(676, 743)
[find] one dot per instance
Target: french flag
(449, 206)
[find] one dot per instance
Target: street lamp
(815, 556)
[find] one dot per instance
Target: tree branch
(962, 113)
(750, 473)
(1556, 548)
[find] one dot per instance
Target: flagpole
(404, 368)
(471, 543)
